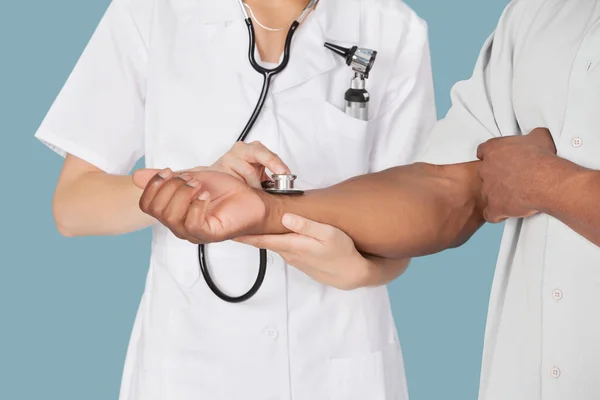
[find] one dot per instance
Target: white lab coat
(541, 68)
(170, 80)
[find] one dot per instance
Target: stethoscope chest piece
(282, 184)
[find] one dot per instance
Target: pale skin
(89, 201)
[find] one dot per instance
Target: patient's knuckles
(171, 218)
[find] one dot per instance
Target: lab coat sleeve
(482, 106)
(408, 110)
(98, 115)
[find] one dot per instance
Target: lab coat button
(270, 259)
(577, 142)
(272, 333)
(557, 294)
(555, 372)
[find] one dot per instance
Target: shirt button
(270, 259)
(555, 372)
(272, 333)
(577, 142)
(557, 294)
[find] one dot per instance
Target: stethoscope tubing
(268, 75)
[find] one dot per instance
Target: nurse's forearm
(96, 203)
(406, 211)
(383, 271)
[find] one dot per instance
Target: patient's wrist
(274, 206)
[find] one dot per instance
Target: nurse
(170, 80)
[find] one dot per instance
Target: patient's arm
(401, 212)
(406, 211)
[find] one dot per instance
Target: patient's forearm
(406, 211)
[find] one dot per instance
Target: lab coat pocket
(178, 257)
(343, 146)
(374, 376)
(336, 119)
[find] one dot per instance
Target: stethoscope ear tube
(286, 50)
(267, 74)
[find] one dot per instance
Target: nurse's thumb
(141, 177)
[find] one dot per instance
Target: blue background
(67, 305)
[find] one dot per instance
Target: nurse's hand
(327, 255)
(204, 206)
(248, 161)
(245, 161)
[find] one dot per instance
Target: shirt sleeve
(408, 112)
(98, 115)
(482, 106)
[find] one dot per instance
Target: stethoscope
(281, 184)
(356, 105)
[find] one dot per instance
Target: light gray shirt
(541, 68)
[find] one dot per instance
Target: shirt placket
(558, 287)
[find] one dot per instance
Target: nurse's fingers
(155, 201)
(152, 188)
(321, 232)
(258, 153)
(285, 243)
(295, 261)
(241, 169)
(264, 177)
(175, 213)
(142, 177)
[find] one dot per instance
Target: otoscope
(361, 60)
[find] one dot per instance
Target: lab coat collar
(339, 19)
(219, 11)
(336, 21)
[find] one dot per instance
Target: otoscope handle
(357, 100)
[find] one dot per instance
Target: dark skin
(510, 163)
(235, 210)
(401, 212)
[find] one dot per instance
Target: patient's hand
(204, 206)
